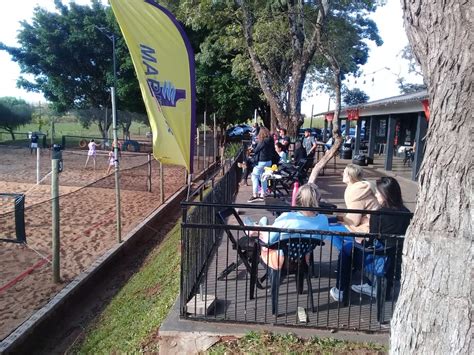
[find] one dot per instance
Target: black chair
(295, 249)
(292, 173)
(382, 280)
(247, 250)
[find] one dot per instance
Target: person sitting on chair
(359, 195)
(299, 154)
(283, 155)
(308, 196)
(389, 196)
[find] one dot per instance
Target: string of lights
(364, 78)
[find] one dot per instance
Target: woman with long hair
(263, 155)
(389, 197)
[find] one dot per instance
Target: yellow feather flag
(164, 62)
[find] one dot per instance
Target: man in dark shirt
(34, 142)
(284, 139)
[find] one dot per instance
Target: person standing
(34, 142)
(263, 154)
(110, 161)
(309, 144)
(92, 152)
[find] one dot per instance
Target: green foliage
(409, 88)
(268, 343)
(71, 60)
(140, 307)
(231, 150)
(225, 86)
(14, 113)
(354, 97)
(282, 39)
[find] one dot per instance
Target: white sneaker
(366, 289)
(336, 294)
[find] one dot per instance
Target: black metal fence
(198, 245)
(225, 274)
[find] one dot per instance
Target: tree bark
(288, 114)
(336, 134)
(433, 313)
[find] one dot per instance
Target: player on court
(111, 161)
(92, 152)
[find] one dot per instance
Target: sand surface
(87, 221)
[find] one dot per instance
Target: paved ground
(332, 187)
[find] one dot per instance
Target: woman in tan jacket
(359, 195)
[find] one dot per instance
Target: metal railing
(198, 246)
(216, 285)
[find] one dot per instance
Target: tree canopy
(14, 113)
(71, 60)
(285, 40)
(354, 97)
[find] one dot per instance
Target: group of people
(385, 196)
(92, 154)
(268, 149)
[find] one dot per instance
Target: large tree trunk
(336, 134)
(433, 314)
(304, 44)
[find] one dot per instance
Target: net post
(149, 173)
(116, 166)
(162, 185)
(38, 165)
(204, 163)
(55, 219)
(20, 218)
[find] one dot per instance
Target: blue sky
(388, 18)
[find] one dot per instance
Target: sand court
(87, 221)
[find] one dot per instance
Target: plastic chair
(247, 250)
(384, 268)
(295, 249)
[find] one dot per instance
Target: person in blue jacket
(308, 196)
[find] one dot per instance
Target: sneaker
(336, 294)
(366, 289)
(255, 199)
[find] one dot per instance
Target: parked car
(239, 130)
(352, 131)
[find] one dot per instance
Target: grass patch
(267, 343)
(141, 306)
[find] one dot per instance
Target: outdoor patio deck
(235, 305)
(232, 293)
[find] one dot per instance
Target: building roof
(407, 103)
